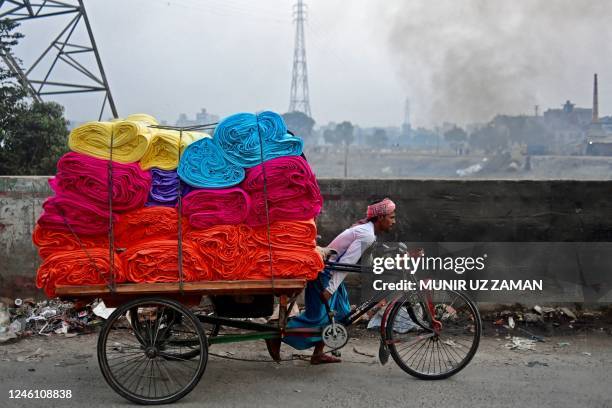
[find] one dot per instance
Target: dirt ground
(564, 371)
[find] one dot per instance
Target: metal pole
(111, 102)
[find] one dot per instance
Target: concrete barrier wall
(428, 210)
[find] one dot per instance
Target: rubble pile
(25, 317)
(547, 319)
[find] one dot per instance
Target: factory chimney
(595, 101)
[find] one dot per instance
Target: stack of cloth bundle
(239, 205)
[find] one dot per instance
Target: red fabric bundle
(225, 250)
(70, 212)
(148, 224)
(208, 207)
(157, 261)
(292, 191)
(77, 268)
(50, 241)
(87, 177)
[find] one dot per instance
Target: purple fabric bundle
(164, 188)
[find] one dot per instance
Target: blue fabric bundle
(204, 165)
(238, 137)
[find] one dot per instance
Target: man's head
(382, 215)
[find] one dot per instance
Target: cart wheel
(433, 350)
(140, 348)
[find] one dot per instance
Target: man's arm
(351, 256)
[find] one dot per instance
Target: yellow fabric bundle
(130, 141)
(162, 151)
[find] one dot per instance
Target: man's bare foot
(273, 346)
(317, 359)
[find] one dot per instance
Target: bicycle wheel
(139, 351)
(433, 349)
(188, 347)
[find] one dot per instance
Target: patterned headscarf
(383, 207)
(380, 208)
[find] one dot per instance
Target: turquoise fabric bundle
(238, 137)
(204, 165)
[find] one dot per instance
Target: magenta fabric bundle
(292, 191)
(71, 213)
(87, 177)
(208, 207)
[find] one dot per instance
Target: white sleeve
(351, 256)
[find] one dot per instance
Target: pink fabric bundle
(208, 207)
(88, 177)
(69, 212)
(292, 190)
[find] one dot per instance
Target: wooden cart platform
(191, 292)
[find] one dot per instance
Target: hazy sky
(457, 60)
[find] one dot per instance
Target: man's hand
(326, 295)
(414, 253)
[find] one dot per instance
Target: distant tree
(299, 123)
(378, 139)
(329, 135)
(489, 138)
(345, 132)
(36, 140)
(12, 93)
(455, 135)
(342, 133)
(32, 134)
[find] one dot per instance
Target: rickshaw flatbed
(190, 293)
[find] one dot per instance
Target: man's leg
(318, 357)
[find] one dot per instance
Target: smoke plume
(466, 60)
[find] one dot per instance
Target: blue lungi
(315, 314)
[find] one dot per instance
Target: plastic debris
(520, 343)
(536, 363)
(586, 353)
(451, 343)
(103, 311)
(5, 318)
(563, 344)
(531, 317)
(35, 356)
(511, 322)
(363, 353)
(569, 313)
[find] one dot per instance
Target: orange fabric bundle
(294, 253)
(286, 264)
(50, 241)
(147, 224)
(157, 261)
(225, 250)
(77, 268)
(288, 235)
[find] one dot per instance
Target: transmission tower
(299, 99)
(65, 51)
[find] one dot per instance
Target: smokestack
(595, 100)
